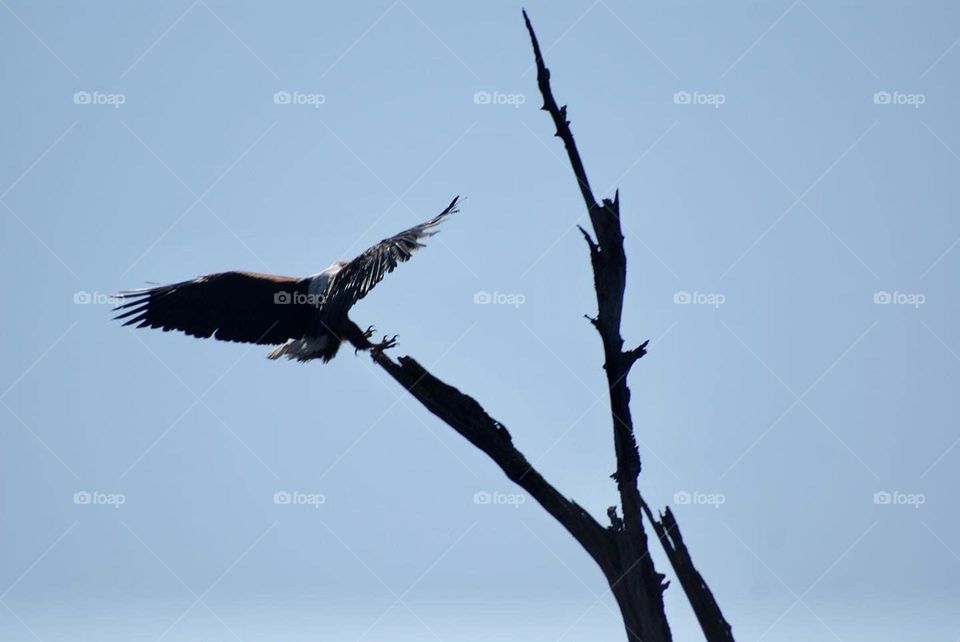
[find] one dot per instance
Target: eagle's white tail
(283, 351)
(306, 348)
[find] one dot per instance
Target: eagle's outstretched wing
(231, 306)
(360, 275)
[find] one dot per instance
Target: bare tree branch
(610, 269)
(621, 549)
(715, 626)
(644, 584)
(462, 413)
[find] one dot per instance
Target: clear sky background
(785, 200)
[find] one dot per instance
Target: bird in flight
(306, 317)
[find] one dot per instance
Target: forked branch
(620, 549)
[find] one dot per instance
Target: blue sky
(787, 177)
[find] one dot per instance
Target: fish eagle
(306, 317)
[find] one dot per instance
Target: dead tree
(621, 549)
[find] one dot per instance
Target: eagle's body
(306, 317)
(327, 333)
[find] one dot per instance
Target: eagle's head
(335, 267)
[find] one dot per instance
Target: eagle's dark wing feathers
(360, 275)
(231, 306)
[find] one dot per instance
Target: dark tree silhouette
(621, 550)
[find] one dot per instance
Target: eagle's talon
(386, 344)
(368, 332)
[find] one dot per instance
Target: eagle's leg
(359, 339)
